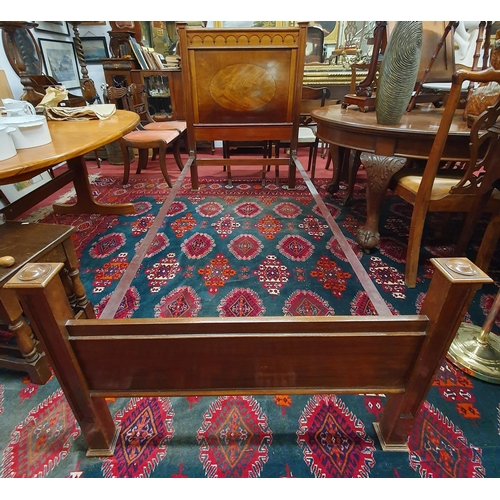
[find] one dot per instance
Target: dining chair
(312, 97)
(468, 189)
(157, 139)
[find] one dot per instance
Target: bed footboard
(94, 359)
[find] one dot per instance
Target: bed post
(450, 293)
(44, 300)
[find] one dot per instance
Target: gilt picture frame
(60, 62)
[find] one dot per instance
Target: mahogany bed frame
(98, 358)
(94, 359)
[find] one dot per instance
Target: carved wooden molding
(382, 167)
(225, 37)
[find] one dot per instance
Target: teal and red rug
(251, 251)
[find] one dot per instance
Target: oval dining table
(385, 150)
(71, 141)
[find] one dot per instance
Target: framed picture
(95, 48)
(12, 192)
(60, 62)
(59, 27)
(136, 49)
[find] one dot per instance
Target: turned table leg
(33, 360)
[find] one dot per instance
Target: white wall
(95, 70)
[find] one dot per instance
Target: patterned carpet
(251, 251)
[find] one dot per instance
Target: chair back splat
(242, 85)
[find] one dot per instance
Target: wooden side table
(28, 242)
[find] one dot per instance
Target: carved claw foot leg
(367, 239)
(379, 170)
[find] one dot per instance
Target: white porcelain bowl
(30, 130)
(7, 148)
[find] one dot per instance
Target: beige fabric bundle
(91, 112)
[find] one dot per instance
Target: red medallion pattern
(295, 248)
(182, 302)
(287, 210)
(314, 227)
(42, 440)
(234, 438)
(245, 247)
(269, 226)
(272, 274)
(439, 449)
(160, 242)
(307, 303)
(225, 225)
(142, 224)
(198, 246)
(334, 441)
(217, 273)
(177, 207)
(241, 303)
(332, 276)
(106, 245)
(183, 225)
(111, 271)
(162, 272)
(210, 209)
(146, 426)
(247, 209)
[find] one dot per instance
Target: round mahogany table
(71, 141)
(386, 147)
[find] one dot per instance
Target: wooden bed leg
(450, 293)
(44, 301)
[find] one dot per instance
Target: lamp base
(477, 359)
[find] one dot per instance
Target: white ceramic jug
(17, 108)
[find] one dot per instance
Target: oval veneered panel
(242, 87)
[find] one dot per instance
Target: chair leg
(328, 160)
(414, 243)
(162, 152)
(277, 167)
(313, 154)
(229, 184)
(143, 159)
(176, 149)
(225, 153)
(126, 161)
(488, 244)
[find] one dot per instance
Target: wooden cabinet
(164, 93)
(163, 88)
